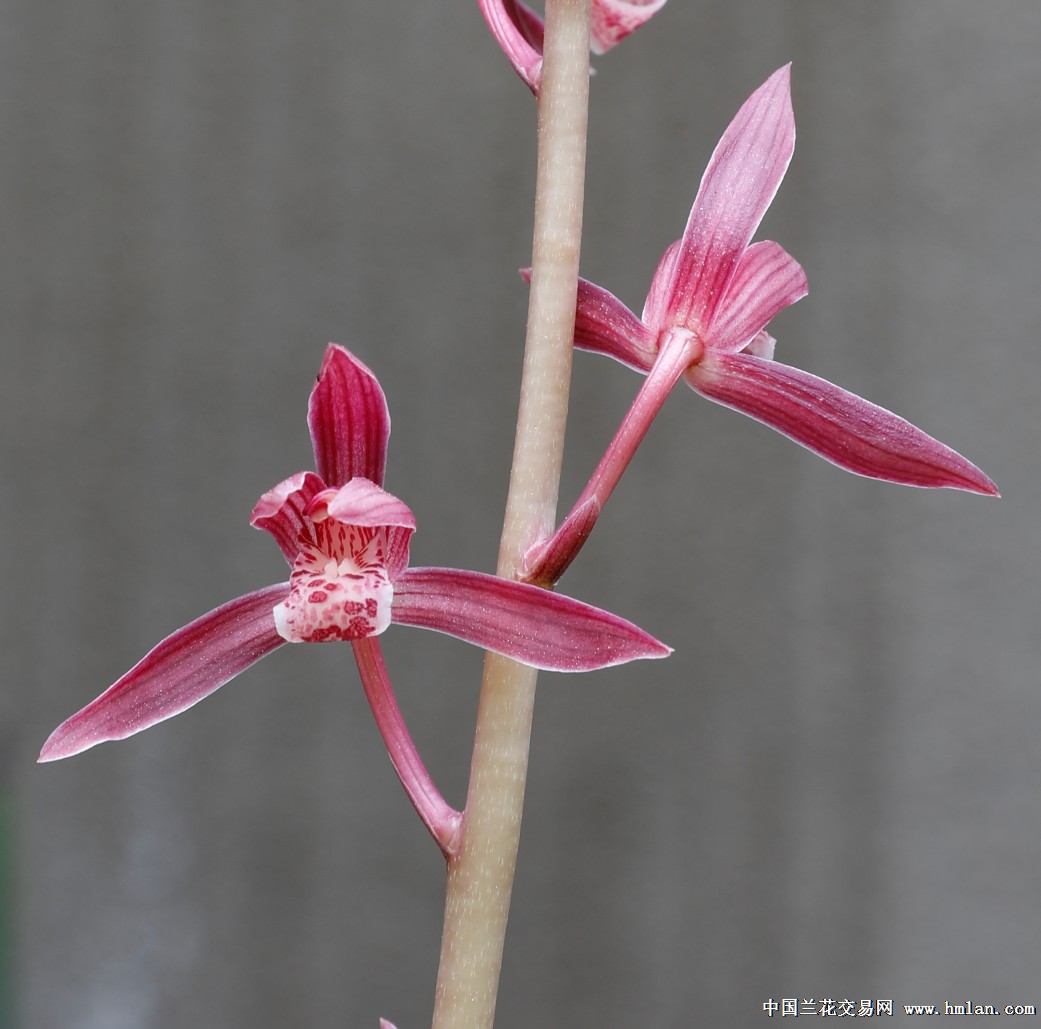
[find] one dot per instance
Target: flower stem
(480, 871)
(440, 818)
(548, 560)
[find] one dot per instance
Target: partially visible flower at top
(347, 541)
(519, 30)
(705, 319)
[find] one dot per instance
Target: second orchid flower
(705, 318)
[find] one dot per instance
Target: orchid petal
(282, 511)
(349, 420)
(363, 504)
(839, 426)
(610, 21)
(740, 182)
(542, 629)
(655, 307)
(179, 672)
(766, 280)
(519, 32)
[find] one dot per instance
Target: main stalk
(480, 871)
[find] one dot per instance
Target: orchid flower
(705, 319)
(519, 30)
(347, 542)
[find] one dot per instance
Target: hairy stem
(480, 870)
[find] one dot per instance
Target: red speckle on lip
(330, 632)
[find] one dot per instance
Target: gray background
(831, 789)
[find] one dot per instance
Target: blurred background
(829, 790)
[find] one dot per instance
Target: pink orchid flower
(705, 318)
(519, 30)
(347, 542)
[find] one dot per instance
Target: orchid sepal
(741, 180)
(839, 426)
(542, 629)
(604, 325)
(349, 420)
(177, 673)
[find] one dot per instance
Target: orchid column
(480, 874)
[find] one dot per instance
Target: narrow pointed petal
(839, 426)
(610, 21)
(519, 32)
(738, 186)
(282, 511)
(766, 281)
(349, 420)
(655, 307)
(542, 629)
(176, 674)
